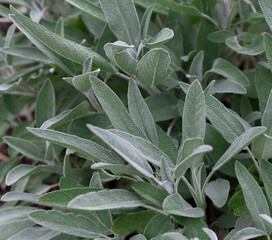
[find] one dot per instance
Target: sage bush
(140, 120)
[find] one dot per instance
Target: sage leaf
(154, 67)
(106, 199)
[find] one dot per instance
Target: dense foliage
(144, 119)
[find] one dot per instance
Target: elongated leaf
(263, 84)
(82, 82)
(45, 105)
(20, 196)
(87, 148)
(238, 145)
(266, 7)
(254, 197)
(196, 68)
(223, 119)
(267, 219)
(140, 113)
(218, 191)
(30, 53)
(124, 149)
(129, 223)
(35, 233)
(162, 37)
(220, 36)
(66, 48)
(267, 48)
(114, 108)
(226, 69)
(210, 233)
(25, 147)
(150, 193)
(193, 119)
(90, 8)
(176, 205)
(154, 67)
(267, 115)
(117, 168)
(261, 147)
(266, 171)
(106, 199)
(145, 22)
(61, 198)
(123, 20)
(228, 86)
(21, 171)
(76, 225)
(192, 160)
(247, 233)
(67, 116)
(6, 166)
(149, 151)
(13, 220)
(126, 62)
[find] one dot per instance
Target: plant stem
(254, 160)
(155, 209)
(210, 19)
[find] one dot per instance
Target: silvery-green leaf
(125, 149)
(30, 53)
(261, 147)
(238, 145)
(90, 8)
(67, 116)
(117, 168)
(87, 148)
(166, 172)
(149, 192)
(172, 236)
(82, 82)
(106, 199)
(162, 37)
(266, 171)
(126, 62)
(140, 112)
(226, 69)
(247, 233)
(114, 108)
(25, 147)
(112, 48)
(267, 219)
(210, 233)
(6, 166)
(123, 20)
(193, 119)
(196, 68)
(20, 172)
(220, 36)
(148, 150)
(96, 181)
(61, 198)
(35, 233)
(192, 160)
(256, 47)
(66, 48)
(228, 86)
(218, 191)
(266, 7)
(263, 84)
(45, 105)
(138, 237)
(176, 205)
(157, 225)
(146, 20)
(20, 196)
(267, 115)
(154, 67)
(69, 223)
(13, 220)
(223, 119)
(267, 47)
(254, 197)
